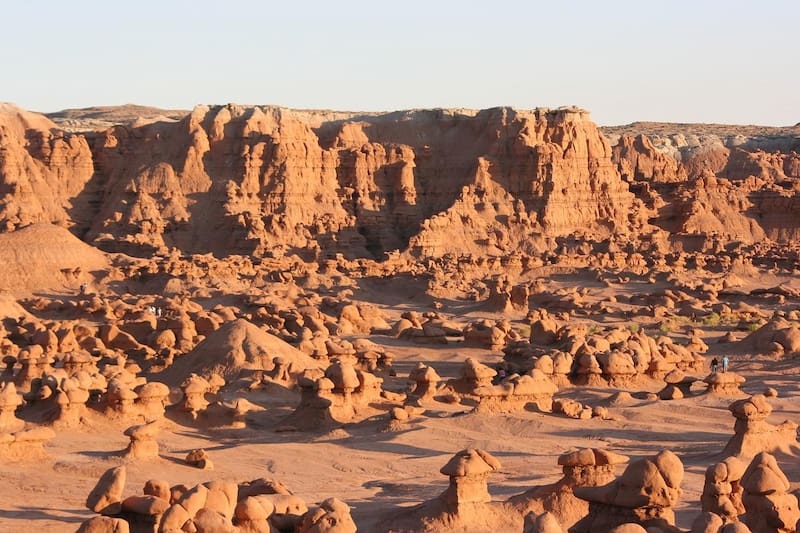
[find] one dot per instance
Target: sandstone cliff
(42, 169)
(267, 180)
(710, 181)
(271, 181)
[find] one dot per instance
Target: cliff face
(270, 181)
(41, 169)
(232, 179)
(714, 181)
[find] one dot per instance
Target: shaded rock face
(233, 179)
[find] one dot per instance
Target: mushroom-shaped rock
(752, 432)
(468, 471)
(343, 375)
(120, 396)
(143, 443)
(724, 383)
(582, 468)
(425, 379)
(537, 388)
(194, 389)
(516, 392)
(25, 444)
(280, 369)
(152, 397)
(678, 385)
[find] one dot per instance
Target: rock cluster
(215, 506)
(722, 490)
(588, 467)
(615, 357)
(516, 392)
(645, 493)
(339, 394)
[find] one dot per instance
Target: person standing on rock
(714, 365)
(725, 362)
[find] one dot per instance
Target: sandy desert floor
(378, 471)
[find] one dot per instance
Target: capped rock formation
(753, 434)
(644, 494)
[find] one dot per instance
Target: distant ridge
(104, 117)
(721, 130)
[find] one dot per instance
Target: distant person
(84, 288)
(725, 362)
(714, 365)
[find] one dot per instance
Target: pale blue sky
(679, 61)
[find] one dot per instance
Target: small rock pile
(213, 507)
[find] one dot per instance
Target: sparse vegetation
(714, 319)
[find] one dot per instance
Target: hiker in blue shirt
(725, 362)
